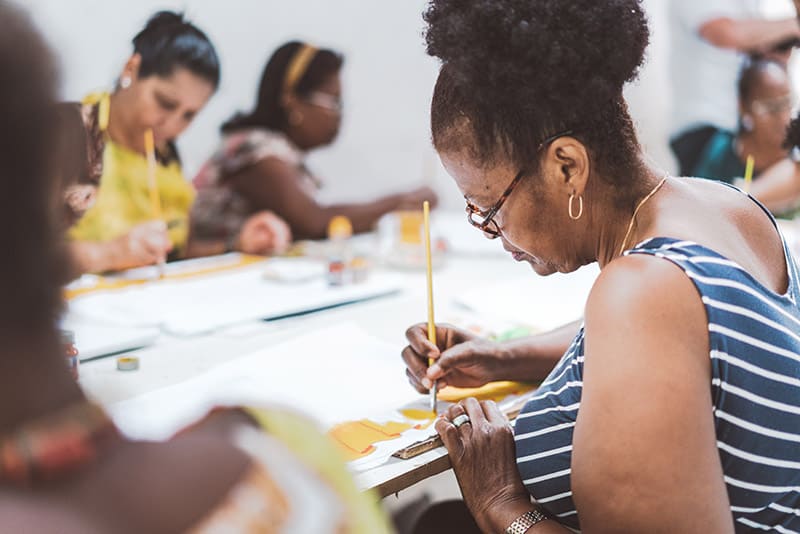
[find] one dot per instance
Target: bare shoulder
(730, 223)
(644, 444)
(643, 292)
(645, 324)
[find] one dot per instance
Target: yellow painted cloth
(495, 391)
(123, 199)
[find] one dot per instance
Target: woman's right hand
(462, 359)
(145, 244)
(264, 233)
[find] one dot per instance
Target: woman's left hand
(483, 455)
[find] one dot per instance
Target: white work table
(172, 360)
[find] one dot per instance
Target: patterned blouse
(297, 482)
(123, 198)
(219, 210)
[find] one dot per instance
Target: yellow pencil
(152, 185)
(748, 173)
(426, 210)
(150, 151)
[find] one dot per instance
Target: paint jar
(337, 272)
(359, 269)
(70, 352)
(340, 230)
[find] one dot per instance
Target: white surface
(94, 339)
(542, 302)
(462, 237)
(207, 302)
(354, 375)
(704, 76)
(198, 369)
(384, 144)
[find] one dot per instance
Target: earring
(747, 123)
(580, 207)
(125, 82)
(295, 118)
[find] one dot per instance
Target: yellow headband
(298, 66)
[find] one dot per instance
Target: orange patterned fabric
(55, 445)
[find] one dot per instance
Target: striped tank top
(755, 386)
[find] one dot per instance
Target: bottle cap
(340, 227)
(127, 363)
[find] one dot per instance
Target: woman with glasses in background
(765, 106)
(260, 163)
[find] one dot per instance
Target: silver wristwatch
(525, 521)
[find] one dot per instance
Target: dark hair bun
(168, 41)
(570, 50)
(164, 20)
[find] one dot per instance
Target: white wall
(388, 79)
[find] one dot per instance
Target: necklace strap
(636, 211)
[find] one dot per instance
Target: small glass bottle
(70, 352)
(340, 230)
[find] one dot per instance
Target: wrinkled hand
(413, 199)
(483, 455)
(462, 358)
(145, 244)
(264, 233)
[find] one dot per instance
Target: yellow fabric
(303, 438)
(492, 391)
(123, 199)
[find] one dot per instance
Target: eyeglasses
(773, 106)
(483, 220)
(325, 101)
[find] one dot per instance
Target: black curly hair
(515, 72)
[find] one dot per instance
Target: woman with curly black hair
(676, 405)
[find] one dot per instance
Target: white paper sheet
(336, 374)
(95, 339)
(545, 302)
(207, 302)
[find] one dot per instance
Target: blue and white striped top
(755, 386)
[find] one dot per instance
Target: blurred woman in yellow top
(170, 77)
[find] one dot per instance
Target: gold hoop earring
(580, 207)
